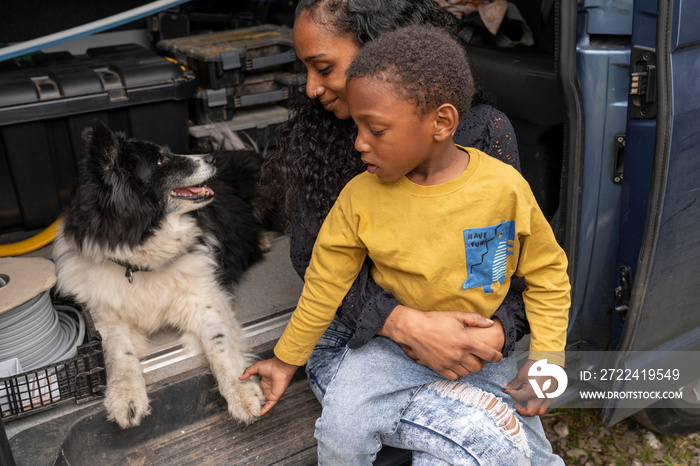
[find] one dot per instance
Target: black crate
(81, 378)
(258, 126)
(280, 88)
(46, 105)
(222, 59)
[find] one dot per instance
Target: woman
(314, 160)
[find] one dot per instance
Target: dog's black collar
(130, 269)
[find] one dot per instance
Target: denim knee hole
(494, 407)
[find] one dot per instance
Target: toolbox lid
(230, 47)
(57, 85)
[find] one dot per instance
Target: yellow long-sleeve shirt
(452, 246)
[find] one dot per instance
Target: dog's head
(127, 187)
(148, 172)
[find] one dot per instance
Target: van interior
(517, 69)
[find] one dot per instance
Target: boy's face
(393, 137)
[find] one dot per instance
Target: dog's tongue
(193, 190)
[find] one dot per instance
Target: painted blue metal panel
(609, 17)
(663, 308)
(670, 302)
(664, 299)
(688, 18)
(639, 159)
(604, 83)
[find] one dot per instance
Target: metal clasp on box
(112, 83)
(46, 88)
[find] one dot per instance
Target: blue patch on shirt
(487, 250)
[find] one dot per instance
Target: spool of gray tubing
(39, 334)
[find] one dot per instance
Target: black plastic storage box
(222, 59)
(45, 105)
(280, 88)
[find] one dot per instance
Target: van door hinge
(643, 103)
(623, 292)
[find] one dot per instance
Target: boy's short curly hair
(424, 64)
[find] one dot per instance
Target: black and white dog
(152, 239)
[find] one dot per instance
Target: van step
(188, 424)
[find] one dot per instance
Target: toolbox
(223, 59)
(46, 104)
(280, 88)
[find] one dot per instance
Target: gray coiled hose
(38, 333)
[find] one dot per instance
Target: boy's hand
(520, 390)
(275, 376)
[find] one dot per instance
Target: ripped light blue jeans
(376, 395)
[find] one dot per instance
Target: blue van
(631, 106)
(604, 98)
(609, 112)
(603, 105)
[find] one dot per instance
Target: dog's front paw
(244, 398)
(127, 404)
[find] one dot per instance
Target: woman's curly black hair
(423, 64)
(315, 156)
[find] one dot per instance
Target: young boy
(445, 226)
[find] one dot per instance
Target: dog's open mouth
(193, 193)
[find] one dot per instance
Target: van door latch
(643, 103)
(619, 162)
(623, 292)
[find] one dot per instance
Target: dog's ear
(102, 143)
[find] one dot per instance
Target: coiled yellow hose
(37, 241)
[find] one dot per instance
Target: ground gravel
(580, 438)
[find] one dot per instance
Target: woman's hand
(452, 343)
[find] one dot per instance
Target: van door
(659, 250)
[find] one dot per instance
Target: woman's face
(326, 56)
